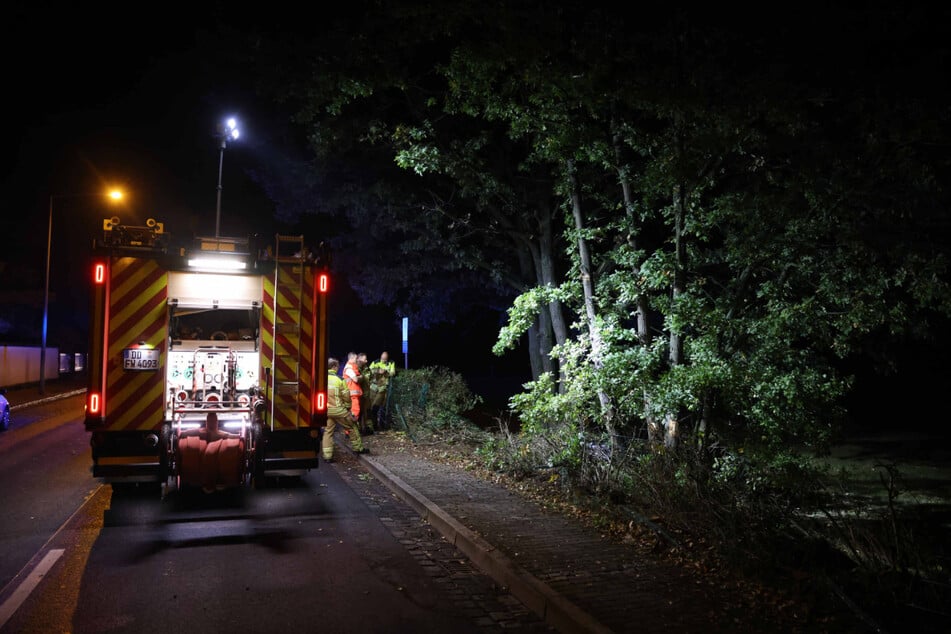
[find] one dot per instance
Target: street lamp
(115, 195)
(226, 130)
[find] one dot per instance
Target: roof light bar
(217, 264)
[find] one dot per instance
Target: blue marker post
(405, 343)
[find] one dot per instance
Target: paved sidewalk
(573, 578)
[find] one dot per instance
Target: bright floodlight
(231, 126)
(115, 194)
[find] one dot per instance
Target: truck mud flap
(128, 468)
(127, 456)
(291, 461)
(289, 451)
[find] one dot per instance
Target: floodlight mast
(226, 130)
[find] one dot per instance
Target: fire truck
(232, 327)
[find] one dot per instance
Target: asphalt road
(331, 551)
(44, 471)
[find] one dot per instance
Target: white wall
(21, 364)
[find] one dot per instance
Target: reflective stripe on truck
(138, 315)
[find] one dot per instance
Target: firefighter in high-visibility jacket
(338, 413)
(366, 427)
(381, 371)
(351, 374)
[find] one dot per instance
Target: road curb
(47, 399)
(537, 596)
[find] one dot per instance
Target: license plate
(140, 359)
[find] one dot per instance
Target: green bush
(430, 398)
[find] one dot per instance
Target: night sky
(108, 100)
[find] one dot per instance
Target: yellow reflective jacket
(380, 374)
(338, 397)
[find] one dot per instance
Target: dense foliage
(695, 220)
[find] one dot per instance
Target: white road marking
(11, 605)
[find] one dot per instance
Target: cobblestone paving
(619, 586)
(491, 607)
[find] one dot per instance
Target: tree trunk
(546, 269)
(544, 342)
(535, 353)
(587, 286)
(640, 302)
(654, 431)
(675, 353)
(703, 427)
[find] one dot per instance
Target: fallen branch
(642, 519)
